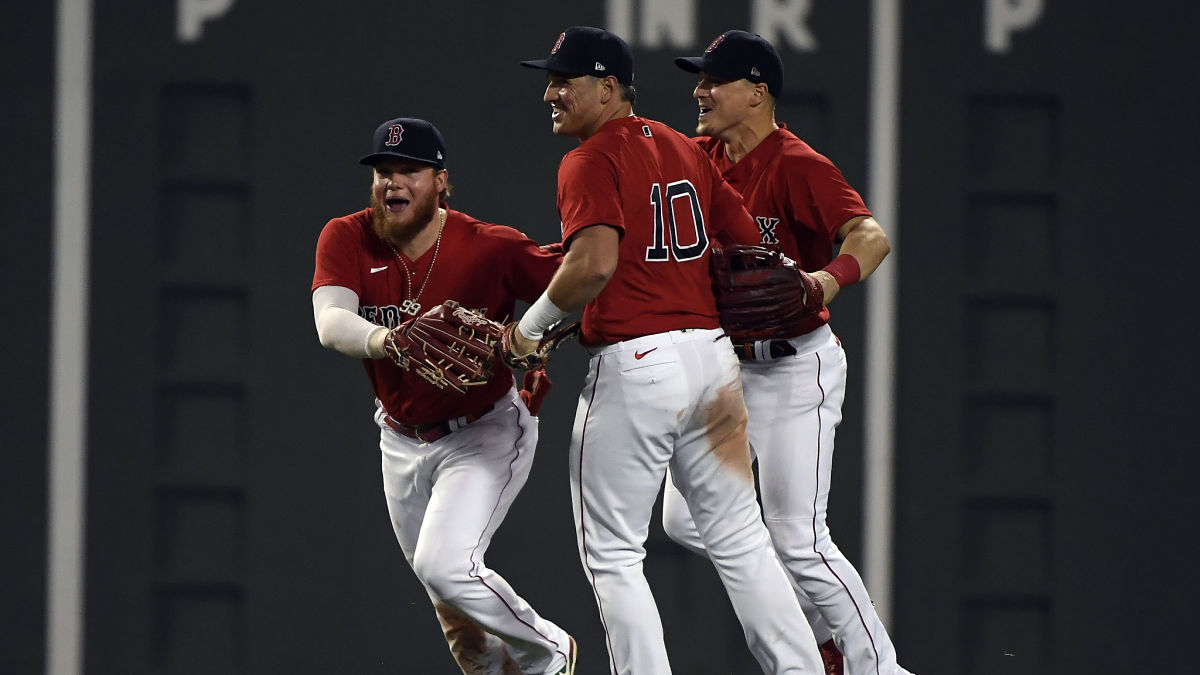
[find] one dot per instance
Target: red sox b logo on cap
(719, 40)
(395, 135)
(558, 43)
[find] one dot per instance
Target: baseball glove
(534, 388)
(451, 347)
(558, 334)
(762, 293)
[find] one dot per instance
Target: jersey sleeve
(588, 192)
(530, 267)
(819, 194)
(336, 258)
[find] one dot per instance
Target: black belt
(776, 348)
(428, 433)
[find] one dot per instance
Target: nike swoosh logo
(639, 355)
(378, 269)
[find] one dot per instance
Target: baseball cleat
(573, 653)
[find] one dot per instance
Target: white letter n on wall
(662, 23)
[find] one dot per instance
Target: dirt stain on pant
(725, 427)
(469, 645)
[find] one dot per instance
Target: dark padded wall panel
(26, 206)
(1039, 390)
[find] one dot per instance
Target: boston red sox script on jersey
(350, 254)
(799, 199)
(662, 281)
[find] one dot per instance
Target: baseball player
(639, 205)
(794, 384)
(452, 463)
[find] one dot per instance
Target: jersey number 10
(664, 216)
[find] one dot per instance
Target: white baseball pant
(446, 499)
(674, 400)
(795, 406)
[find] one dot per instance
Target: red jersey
(481, 265)
(667, 199)
(798, 198)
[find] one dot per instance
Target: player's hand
(518, 351)
(829, 285)
(519, 346)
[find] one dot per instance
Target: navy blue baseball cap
(583, 50)
(407, 138)
(737, 55)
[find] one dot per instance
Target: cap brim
(544, 64)
(370, 160)
(698, 64)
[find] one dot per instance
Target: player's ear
(610, 85)
(760, 95)
(441, 178)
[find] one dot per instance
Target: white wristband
(375, 340)
(541, 315)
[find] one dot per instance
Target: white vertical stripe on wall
(69, 330)
(880, 409)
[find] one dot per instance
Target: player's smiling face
(404, 197)
(575, 103)
(723, 104)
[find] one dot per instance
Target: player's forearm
(340, 328)
(570, 289)
(584, 272)
(586, 268)
(575, 285)
(869, 245)
(866, 245)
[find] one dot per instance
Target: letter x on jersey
(766, 228)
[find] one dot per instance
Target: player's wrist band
(844, 269)
(374, 342)
(541, 315)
